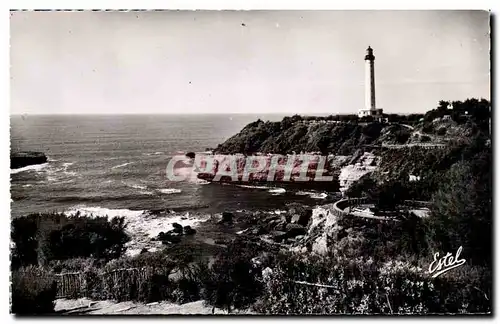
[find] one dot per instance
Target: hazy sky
(244, 62)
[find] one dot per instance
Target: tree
(461, 209)
(388, 195)
(233, 280)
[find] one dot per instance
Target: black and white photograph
(250, 162)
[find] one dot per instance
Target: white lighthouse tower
(370, 106)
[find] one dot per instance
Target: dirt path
(84, 306)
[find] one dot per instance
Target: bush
(41, 238)
(441, 131)
(233, 280)
(361, 187)
(428, 128)
(33, 291)
(144, 277)
(307, 284)
(462, 209)
(425, 139)
(387, 195)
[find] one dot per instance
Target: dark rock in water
(280, 225)
(258, 231)
(22, 159)
(271, 225)
(293, 230)
(301, 219)
(278, 236)
(177, 228)
(161, 235)
(169, 237)
(222, 241)
(144, 250)
(275, 225)
(190, 155)
(156, 212)
(286, 218)
(227, 217)
(188, 230)
(301, 214)
(269, 218)
(172, 239)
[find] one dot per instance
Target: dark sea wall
(22, 159)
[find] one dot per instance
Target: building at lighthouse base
(375, 113)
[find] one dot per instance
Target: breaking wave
(312, 194)
(121, 165)
(35, 167)
(170, 191)
(277, 191)
(142, 226)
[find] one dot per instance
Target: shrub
(425, 139)
(361, 187)
(428, 128)
(307, 284)
(144, 277)
(33, 291)
(75, 265)
(387, 195)
(41, 238)
(441, 131)
(233, 280)
(462, 209)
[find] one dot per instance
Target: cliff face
(325, 137)
(22, 159)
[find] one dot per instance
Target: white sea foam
(136, 186)
(35, 167)
(65, 169)
(169, 191)
(252, 187)
(141, 226)
(319, 196)
(121, 165)
(312, 194)
(277, 191)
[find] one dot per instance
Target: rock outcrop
(23, 159)
(300, 135)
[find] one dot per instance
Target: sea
(114, 165)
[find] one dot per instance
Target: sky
(282, 62)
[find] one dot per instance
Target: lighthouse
(370, 106)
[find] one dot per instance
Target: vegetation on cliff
(343, 135)
(293, 134)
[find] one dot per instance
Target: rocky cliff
(321, 136)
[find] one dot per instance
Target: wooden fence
(84, 284)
